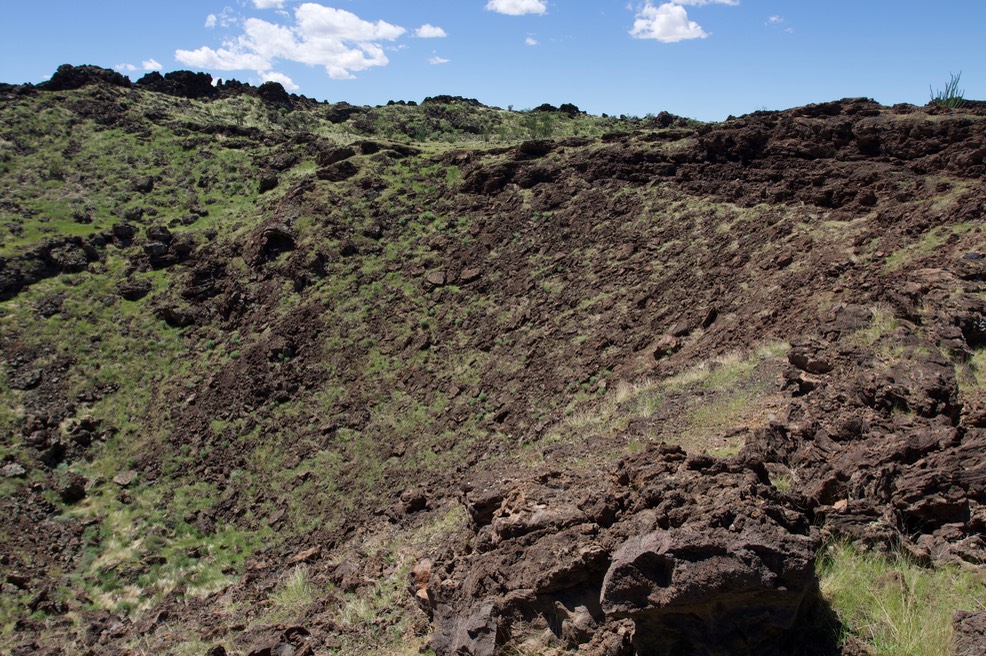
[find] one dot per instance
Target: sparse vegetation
(893, 605)
(951, 96)
(273, 404)
(721, 396)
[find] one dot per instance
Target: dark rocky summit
(69, 77)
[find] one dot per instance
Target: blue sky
(699, 58)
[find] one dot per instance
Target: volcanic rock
(12, 470)
(69, 77)
(694, 555)
(970, 633)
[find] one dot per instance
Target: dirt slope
(276, 384)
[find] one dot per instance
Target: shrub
(951, 96)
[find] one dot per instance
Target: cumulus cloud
(268, 4)
(129, 68)
(531, 41)
(517, 7)
(436, 60)
(699, 3)
(151, 65)
(210, 21)
(335, 39)
(775, 20)
(668, 23)
(280, 78)
(429, 31)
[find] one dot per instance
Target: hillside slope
(312, 378)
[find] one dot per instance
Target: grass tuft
(950, 96)
(894, 605)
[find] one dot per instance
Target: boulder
(338, 172)
(674, 554)
(267, 183)
(12, 470)
(714, 590)
(333, 155)
(133, 289)
(73, 489)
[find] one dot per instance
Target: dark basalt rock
(54, 257)
(343, 111)
(69, 77)
(333, 155)
(134, 290)
(338, 172)
(676, 554)
(270, 244)
(184, 84)
(970, 633)
(273, 93)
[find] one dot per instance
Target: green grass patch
(893, 605)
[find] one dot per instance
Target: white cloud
(517, 7)
(225, 18)
(668, 23)
(434, 61)
(775, 20)
(336, 39)
(222, 59)
(268, 4)
(130, 68)
(531, 41)
(429, 31)
(699, 3)
(280, 78)
(318, 21)
(151, 65)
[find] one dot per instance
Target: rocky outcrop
(69, 77)
(881, 443)
(52, 258)
(672, 554)
(273, 93)
(163, 249)
(184, 84)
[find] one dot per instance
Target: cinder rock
(808, 357)
(73, 489)
(698, 555)
(338, 172)
(665, 346)
(675, 585)
(435, 278)
(333, 155)
(133, 289)
(125, 479)
(143, 185)
(12, 470)
(267, 183)
(969, 638)
(470, 274)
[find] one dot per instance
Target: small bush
(950, 96)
